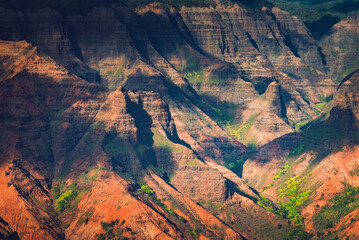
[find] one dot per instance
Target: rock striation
(138, 119)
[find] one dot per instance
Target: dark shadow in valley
(322, 137)
(232, 188)
(321, 26)
(346, 6)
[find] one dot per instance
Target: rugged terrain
(176, 123)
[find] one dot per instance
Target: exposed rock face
(299, 41)
(267, 127)
(230, 34)
(36, 89)
(91, 100)
(264, 119)
(345, 106)
(265, 41)
(274, 154)
(190, 209)
(341, 48)
(325, 153)
(25, 121)
(127, 130)
(110, 199)
(191, 180)
(6, 232)
(46, 29)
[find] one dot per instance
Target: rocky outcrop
(90, 100)
(46, 29)
(205, 51)
(36, 89)
(340, 45)
(325, 154)
(109, 199)
(263, 119)
(237, 32)
(345, 107)
(5, 231)
(186, 207)
(124, 130)
(267, 127)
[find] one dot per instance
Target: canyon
(226, 121)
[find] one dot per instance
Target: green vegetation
(298, 150)
(268, 205)
(116, 72)
(57, 189)
(149, 191)
(159, 140)
(296, 197)
(268, 208)
(319, 16)
(146, 189)
(113, 230)
(322, 131)
(326, 99)
(116, 146)
(63, 202)
(293, 198)
(193, 72)
(300, 125)
(213, 205)
(218, 115)
(299, 234)
(310, 11)
(323, 105)
(267, 187)
(252, 146)
(339, 207)
(198, 77)
(355, 172)
(241, 132)
(195, 232)
(236, 166)
(69, 196)
(85, 218)
(194, 163)
(194, 77)
(223, 116)
(281, 172)
(89, 175)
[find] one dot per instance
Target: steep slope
(240, 37)
(204, 51)
(319, 16)
(121, 123)
(29, 96)
(323, 159)
(6, 232)
(341, 46)
(64, 143)
(263, 119)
